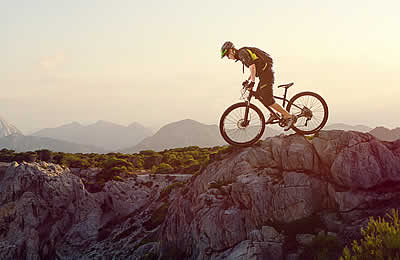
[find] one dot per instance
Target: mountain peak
(386, 134)
(136, 125)
(7, 128)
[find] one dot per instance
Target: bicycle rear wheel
(234, 129)
(311, 110)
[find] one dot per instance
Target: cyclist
(260, 65)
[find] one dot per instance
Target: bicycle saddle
(286, 85)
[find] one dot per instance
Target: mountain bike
(243, 123)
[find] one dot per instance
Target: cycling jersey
(250, 55)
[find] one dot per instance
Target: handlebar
(245, 89)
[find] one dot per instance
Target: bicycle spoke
(242, 134)
(308, 106)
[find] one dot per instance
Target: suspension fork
(246, 121)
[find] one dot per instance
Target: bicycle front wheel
(236, 131)
(311, 110)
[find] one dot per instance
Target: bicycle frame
(257, 96)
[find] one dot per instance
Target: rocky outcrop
(269, 201)
(283, 183)
(46, 212)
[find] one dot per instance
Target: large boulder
(357, 160)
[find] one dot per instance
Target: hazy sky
(155, 62)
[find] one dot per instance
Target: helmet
(225, 47)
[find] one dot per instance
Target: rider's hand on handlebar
(245, 84)
(250, 86)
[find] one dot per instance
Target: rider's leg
(281, 110)
(265, 89)
(267, 98)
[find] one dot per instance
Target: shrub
(309, 137)
(157, 217)
(118, 178)
(57, 158)
(115, 162)
(151, 161)
(164, 193)
(26, 156)
(147, 152)
(164, 168)
(45, 155)
(75, 161)
(7, 155)
(380, 240)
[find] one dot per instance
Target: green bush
(118, 178)
(75, 161)
(147, 152)
(6, 155)
(26, 156)
(115, 162)
(380, 240)
(45, 155)
(164, 168)
(157, 218)
(309, 137)
(164, 193)
(159, 215)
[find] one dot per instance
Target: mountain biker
(260, 65)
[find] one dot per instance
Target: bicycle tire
(297, 127)
(229, 112)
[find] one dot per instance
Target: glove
(251, 85)
(245, 83)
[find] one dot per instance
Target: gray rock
(305, 239)
(292, 256)
(271, 235)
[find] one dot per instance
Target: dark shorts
(264, 88)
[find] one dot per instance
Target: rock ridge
(268, 201)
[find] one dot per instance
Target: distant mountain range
(386, 134)
(103, 134)
(7, 128)
(382, 133)
(21, 143)
(345, 127)
(180, 134)
(184, 133)
(103, 137)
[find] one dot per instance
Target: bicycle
(243, 123)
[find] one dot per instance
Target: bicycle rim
(312, 112)
(233, 130)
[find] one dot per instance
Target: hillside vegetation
(187, 160)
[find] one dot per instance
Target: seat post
(284, 98)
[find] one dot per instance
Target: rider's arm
(245, 57)
(252, 76)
